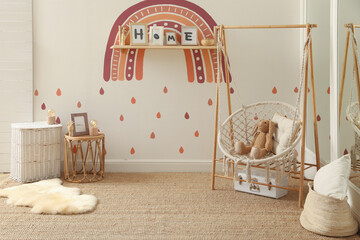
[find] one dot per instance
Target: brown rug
(161, 206)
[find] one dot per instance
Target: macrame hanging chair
(238, 127)
(353, 111)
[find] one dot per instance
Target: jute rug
(161, 206)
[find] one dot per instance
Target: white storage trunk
(35, 151)
(258, 175)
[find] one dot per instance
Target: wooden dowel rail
(349, 25)
(268, 26)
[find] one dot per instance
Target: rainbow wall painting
(172, 14)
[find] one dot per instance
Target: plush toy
(262, 143)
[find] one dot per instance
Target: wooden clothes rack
(219, 33)
(351, 27)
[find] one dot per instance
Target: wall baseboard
(158, 165)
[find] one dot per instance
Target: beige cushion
(283, 132)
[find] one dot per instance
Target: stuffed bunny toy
(262, 143)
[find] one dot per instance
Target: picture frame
(170, 38)
(138, 34)
(189, 35)
(156, 35)
(81, 125)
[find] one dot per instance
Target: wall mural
(172, 15)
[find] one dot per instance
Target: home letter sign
(189, 36)
(138, 34)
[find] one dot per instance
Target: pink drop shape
(210, 102)
(187, 116)
(274, 90)
(101, 91)
(158, 115)
(232, 90)
(36, 93)
(308, 90)
(43, 106)
(165, 89)
(79, 104)
(74, 149)
(58, 120)
(133, 100)
(197, 133)
(152, 135)
(256, 117)
(132, 151)
(58, 92)
(296, 90)
(346, 151)
(328, 90)
(318, 118)
(181, 150)
(121, 117)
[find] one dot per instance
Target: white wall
(69, 45)
(16, 99)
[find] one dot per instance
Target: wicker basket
(327, 216)
(35, 151)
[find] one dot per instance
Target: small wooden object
(80, 166)
(208, 42)
(94, 131)
(50, 120)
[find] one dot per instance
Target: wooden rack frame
(221, 31)
(351, 27)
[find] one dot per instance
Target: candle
(93, 128)
(51, 117)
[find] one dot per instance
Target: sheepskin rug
(49, 197)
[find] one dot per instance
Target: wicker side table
(84, 166)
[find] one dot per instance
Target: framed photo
(188, 35)
(170, 38)
(81, 126)
(156, 35)
(138, 34)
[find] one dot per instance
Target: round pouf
(327, 216)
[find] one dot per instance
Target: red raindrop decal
(232, 90)
(79, 104)
(308, 90)
(58, 92)
(152, 135)
(36, 93)
(133, 100)
(121, 117)
(274, 90)
(132, 151)
(158, 115)
(58, 120)
(101, 91)
(187, 116)
(210, 102)
(256, 117)
(197, 133)
(328, 90)
(165, 89)
(318, 118)
(181, 150)
(74, 149)
(43, 106)
(296, 90)
(346, 151)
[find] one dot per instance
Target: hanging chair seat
(238, 127)
(353, 115)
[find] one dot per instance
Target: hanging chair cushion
(332, 179)
(283, 136)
